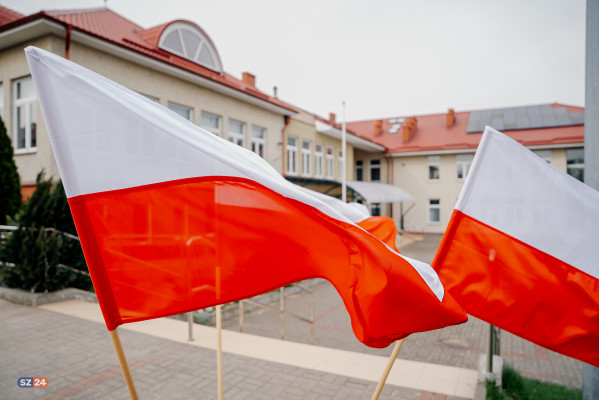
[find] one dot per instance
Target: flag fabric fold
(173, 218)
(520, 249)
(383, 228)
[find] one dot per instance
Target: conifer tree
(44, 258)
(10, 185)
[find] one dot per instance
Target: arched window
(187, 41)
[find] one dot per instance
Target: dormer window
(188, 41)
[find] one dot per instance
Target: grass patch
(516, 387)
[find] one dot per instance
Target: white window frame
(463, 162)
(212, 129)
(179, 109)
(29, 106)
(236, 137)
(434, 206)
(330, 162)
(375, 164)
(205, 44)
(434, 163)
(291, 150)
(306, 157)
(258, 140)
(318, 160)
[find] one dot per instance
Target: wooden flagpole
(120, 353)
(219, 352)
(392, 358)
(219, 341)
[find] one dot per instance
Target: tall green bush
(10, 183)
(44, 258)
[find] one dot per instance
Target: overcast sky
(385, 57)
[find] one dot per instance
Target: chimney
(249, 79)
(450, 118)
(408, 128)
(378, 127)
(332, 117)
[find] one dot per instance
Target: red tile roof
(432, 134)
(7, 15)
(106, 24)
(336, 125)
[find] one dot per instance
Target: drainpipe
(67, 42)
(287, 119)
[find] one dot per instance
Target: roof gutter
(139, 58)
(473, 149)
(41, 24)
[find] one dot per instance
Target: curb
(24, 297)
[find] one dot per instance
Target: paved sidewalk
(459, 346)
(75, 354)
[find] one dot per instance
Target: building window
(258, 140)
(306, 157)
(25, 116)
(210, 122)
(375, 209)
(359, 170)
(434, 168)
(183, 111)
(330, 162)
(545, 155)
(463, 163)
(291, 155)
(434, 211)
(575, 163)
(318, 156)
(187, 41)
(237, 132)
(375, 170)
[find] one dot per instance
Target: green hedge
(44, 258)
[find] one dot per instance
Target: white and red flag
(520, 251)
(173, 218)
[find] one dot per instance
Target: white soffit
(375, 192)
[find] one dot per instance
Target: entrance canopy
(366, 192)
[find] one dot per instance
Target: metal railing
(281, 311)
(7, 230)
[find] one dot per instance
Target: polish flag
(520, 251)
(381, 227)
(173, 218)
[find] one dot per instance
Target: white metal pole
(343, 159)
(590, 374)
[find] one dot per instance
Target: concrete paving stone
(405, 394)
(325, 389)
(282, 379)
